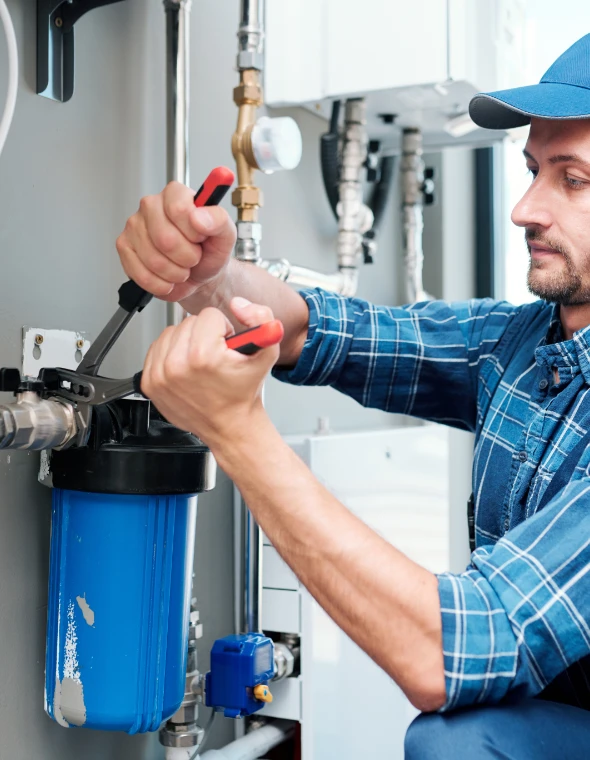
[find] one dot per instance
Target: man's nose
(533, 208)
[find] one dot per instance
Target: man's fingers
(208, 336)
(215, 224)
(163, 267)
(250, 314)
(153, 377)
(140, 274)
(166, 237)
(179, 206)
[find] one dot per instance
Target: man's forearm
(386, 603)
(249, 281)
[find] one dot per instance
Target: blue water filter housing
(121, 578)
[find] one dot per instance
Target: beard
(565, 287)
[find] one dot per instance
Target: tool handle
(247, 342)
(211, 193)
(252, 340)
(214, 188)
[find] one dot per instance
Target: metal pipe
(344, 282)
(181, 734)
(252, 588)
(354, 218)
(36, 424)
(412, 171)
(247, 198)
(251, 35)
(248, 576)
(178, 100)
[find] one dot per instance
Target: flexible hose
(329, 158)
(378, 204)
(12, 73)
(382, 189)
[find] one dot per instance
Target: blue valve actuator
(240, 665)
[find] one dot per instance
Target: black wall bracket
(55, 44)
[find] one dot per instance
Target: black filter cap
(133, 452)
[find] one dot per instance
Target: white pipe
(251, 746)
(180, 753)
(412, 172)
(12, 73)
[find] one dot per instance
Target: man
(516, 624)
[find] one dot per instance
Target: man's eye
(532, 172)
(575, 183)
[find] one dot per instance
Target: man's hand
(201, 385)
(171, 248)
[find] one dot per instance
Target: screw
(38, 339)
(80, 343)
(59, 22)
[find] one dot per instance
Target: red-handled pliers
(86, 387)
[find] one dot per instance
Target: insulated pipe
(254, 745)
(354, 218)
(177, 96)
(412, 171)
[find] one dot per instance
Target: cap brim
(507, 109)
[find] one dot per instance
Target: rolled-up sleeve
(420, 360)
(520, 614)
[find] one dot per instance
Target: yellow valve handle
(262, 693)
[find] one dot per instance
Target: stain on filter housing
(122, 546)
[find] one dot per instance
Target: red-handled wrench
(252, 340)
(83, 384)
(94, 390)
(214, 188)
(248, 342)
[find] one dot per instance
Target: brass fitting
(248, 97)
(247, 200)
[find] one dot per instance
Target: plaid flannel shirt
(517, 622)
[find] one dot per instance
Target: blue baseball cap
(562, 93)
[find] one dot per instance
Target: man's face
(555, 210)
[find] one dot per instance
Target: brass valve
(248, 97)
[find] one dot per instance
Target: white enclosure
(419, 61)
(398, 481)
